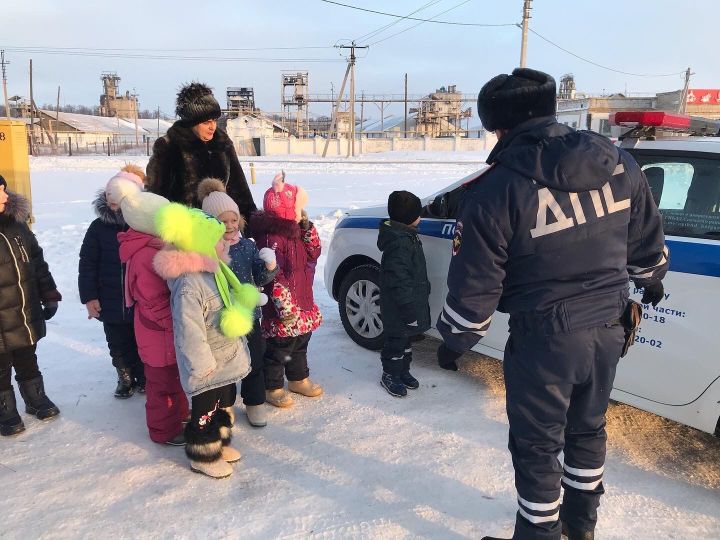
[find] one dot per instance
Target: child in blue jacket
(101, 285)
(250, 265)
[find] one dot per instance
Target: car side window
(687, 192)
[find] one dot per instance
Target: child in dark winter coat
(250, 265)
(100, 282)
(291, 315)
(404, 290)
(212, 312)
(166, 406)
(28, 298)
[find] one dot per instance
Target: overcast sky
(637, 36)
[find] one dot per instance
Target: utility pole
(158, 129)
(682, 106)
(405, 119)
(4, 63)
(135, 99)
(32, 114)
(525, 21)
(351, 71)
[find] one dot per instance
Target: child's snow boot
(125, 384)
(393, 384)
(139, 384)
(10, 421)
(225, 422)
(278, 398)
(305, 387)
(204, 448)
(36, 402)
(408, 380)
(256, 415)
(231, 413)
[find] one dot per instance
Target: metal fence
(74, 145)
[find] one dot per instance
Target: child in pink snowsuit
(291, 315)
(167, 405)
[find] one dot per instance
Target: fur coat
(180, 161)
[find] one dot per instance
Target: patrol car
(673, 369)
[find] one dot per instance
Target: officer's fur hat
(508, 100)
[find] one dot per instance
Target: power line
(385, 27)
(169, 57)
(171, 50)
(418, 24)
(413, 18)
(605, 67)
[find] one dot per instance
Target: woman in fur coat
(100, 283)
(194, 148)
(291, 315)
(28, 298)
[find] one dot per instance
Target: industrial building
(112, 104)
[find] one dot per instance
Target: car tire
(359, 305)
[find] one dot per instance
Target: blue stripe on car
(686, 257)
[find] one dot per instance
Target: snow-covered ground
(355, 463)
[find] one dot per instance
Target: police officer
(550, 234)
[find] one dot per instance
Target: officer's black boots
(574, 534)
(10, 421)
(125, 385)
(36, 402)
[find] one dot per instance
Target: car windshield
(686, 188)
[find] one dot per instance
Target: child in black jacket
(101, 282)
(404, 290)
(28, 298)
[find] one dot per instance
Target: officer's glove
(653, 293)
(447, 357)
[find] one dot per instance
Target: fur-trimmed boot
(256, 415)
(278, 398)
(225, 422)
(231, 413)
(203, 446)
(305, 387)
(10, 421)
(125, 385)
(36, 402)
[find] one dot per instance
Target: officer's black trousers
(558, 387)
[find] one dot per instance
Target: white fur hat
(139, 211)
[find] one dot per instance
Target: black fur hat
(508, 100)
(196, 104)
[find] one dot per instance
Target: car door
(674, 358)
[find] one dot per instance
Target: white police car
(674, 368)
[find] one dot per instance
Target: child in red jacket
(291, 315)
(167, 406)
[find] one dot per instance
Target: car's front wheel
(359, 304)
